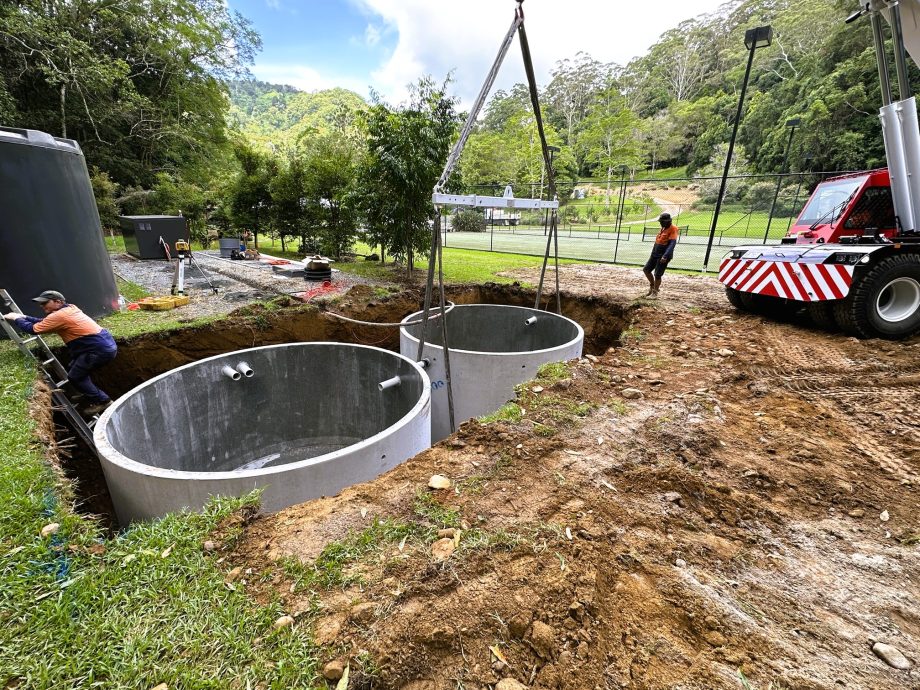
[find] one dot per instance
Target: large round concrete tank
(50, 235)
(492, 349)
(302, 420)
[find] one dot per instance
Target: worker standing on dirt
(662, 253)
(90, 346)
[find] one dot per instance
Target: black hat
(49, 296)
(664, 216)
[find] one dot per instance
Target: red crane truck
(852, 258)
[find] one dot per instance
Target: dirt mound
(720, 500)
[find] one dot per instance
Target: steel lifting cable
(436, 253)
(550, 175)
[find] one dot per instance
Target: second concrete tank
(492, 349)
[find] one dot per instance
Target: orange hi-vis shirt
(667, 234)
(69, 322)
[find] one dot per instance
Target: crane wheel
(822, 314)
(734, 298)
(885, 303)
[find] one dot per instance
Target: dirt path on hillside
(721, 500)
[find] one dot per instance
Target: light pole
(791, 124)
(795, 204)
(760, 37)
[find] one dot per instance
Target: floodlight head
(759, 37)
(794, 122)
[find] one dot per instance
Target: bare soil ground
(747, 515)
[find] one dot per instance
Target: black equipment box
(142, 234)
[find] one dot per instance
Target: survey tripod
(62, 393)
(183, 255)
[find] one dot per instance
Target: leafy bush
(468, 220)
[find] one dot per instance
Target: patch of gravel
(237, 282)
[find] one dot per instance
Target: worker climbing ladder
(54, 372)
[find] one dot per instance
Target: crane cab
(852, 206)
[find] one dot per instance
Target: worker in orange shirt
(662, 253)
(90, 346)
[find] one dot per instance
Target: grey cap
(49, 296)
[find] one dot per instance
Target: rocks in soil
(208, 545)
(857, 513)
(442, 549)
(447, 533)
(891, 655)
(542, 639)
(518, 625)
(438, 481)
(673, 497)
(510, 684)
(334, 670)
(631, 393)
(283, 622)
(48, 530)
(363, 613)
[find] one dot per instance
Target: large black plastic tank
(50, 234)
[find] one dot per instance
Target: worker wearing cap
(662, 253)
(90, 346)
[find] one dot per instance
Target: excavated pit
(144, 357)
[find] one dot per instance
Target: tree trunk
(64, 111)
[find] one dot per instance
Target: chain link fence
(616, 220)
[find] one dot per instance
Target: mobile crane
(852, 258)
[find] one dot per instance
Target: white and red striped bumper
(803, 282)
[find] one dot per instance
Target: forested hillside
(279, 113)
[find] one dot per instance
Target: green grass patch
(509, 412)
(427, 507)
(148, 606)
(552, 372)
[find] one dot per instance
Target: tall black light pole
(760, 37)
(791, 124)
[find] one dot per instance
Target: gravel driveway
(237, 282)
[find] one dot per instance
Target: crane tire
(885, 302)
(822, 314)
(775, 308)
(734, 298)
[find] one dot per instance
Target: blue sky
(388, 44)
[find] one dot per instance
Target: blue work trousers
(79, 371)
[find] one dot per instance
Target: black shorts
(654, 262)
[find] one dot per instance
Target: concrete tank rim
(108, 453)
(580, 332)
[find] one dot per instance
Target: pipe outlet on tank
(424, 363)
(230, 372)
(389, 383)
(531, 321)
(245, 370)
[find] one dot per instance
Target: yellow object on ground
(163, 303)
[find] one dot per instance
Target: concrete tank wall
(492, 349)
(309, 421)
(50, 234)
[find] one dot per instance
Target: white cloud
(274, 4)
(437, 37)
(307, 78)
(371, 35)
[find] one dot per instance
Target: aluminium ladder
(54, 372)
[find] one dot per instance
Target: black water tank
(50, 234)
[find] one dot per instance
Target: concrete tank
(50, 235)
(302, 420)
(492, 349)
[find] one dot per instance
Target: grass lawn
(149, 606)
